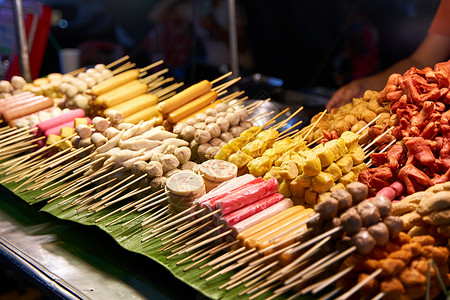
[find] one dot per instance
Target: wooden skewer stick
(326, 282)
(153, 203)
(225, 85)
(126, 66)
(232, 96)
(102, 202)
(206, 255)
(221, 78)
(318, 266)
(137, 217)
(275, 117)
(116, 62)
(193, 255)
(232, 284)
(144, 201)
(151, 66)
(174, 217)
(187, 217)
(232, 267)
(165, 97)
(110, 214)
(376, 139)
(183, 237)
(360, 284)
(222, 257)
(262, 291)
(205, 242)
(14, 132)
(286, 135)
(253, 104)
(285, 121)
(271, 255)
(198, 262)
(126, 214)
(120, 190)
(368, 124)
(261, 116)
(308, 254)
(167, 234)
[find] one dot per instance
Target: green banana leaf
(129, 237)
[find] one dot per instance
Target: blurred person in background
(434, 48)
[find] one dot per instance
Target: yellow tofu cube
(312, 163)
(240, 159)
(284, 188)
(357, 154)
(259, 166)
(325, 155)
(66, 131)
(345, 163)
(289, 170)
(334, 171)
(284, 157)
(338, 147)
(359, 168)
(52, 138)
(274, 172)
(79, 121)
(65, 145)
(323, 196)
(348, 178)
(338, 186)
(322, 182)
(350, 139)
(311, 197)
(299, 161)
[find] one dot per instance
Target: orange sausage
(28, 108)
(145, 115)
(192, 107)
(115, 82)
(134, 105)
(275, 229)
(244, 235)
(288, 237)
(184, 97)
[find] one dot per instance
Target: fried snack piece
(391, 266)
(425, 240)
(371, 288)
(393, 288)
(410, 277)
(403, 255)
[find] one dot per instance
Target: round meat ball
(211, 112)
(5, 86)
(211, 152)
(188, 133)
(191, 121)
(200, 125)
(245, 125)
(223, 124)
(158, 183)
(90, 82)
(236, 131)
(230, 110)
(138, 167)
(215, 142)
(190, 165)
(210, 119)
(178, 128)
(99, 67)
(106, 74)
(202, 149)
(172, 172)
(221, 115)
(170, 149)
(200, 117)
(71, 91)
(242, 113)
(154, 169)
(183, 154)
(226, 136)
(233, 118)
(18, 82)
(202, 136)
(157, 157)
(221, 107)
(213, 129)
(169, 162)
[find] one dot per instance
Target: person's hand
(346, 93)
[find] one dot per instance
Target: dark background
(310, 45)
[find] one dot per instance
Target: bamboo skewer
(116, 62)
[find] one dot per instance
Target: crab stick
(241, 214)
(65, 117)
(262, 216)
